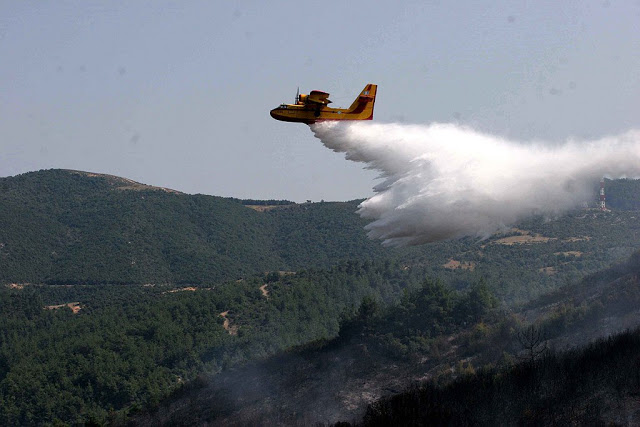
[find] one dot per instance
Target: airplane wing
(318, 97)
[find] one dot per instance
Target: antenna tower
(603, 206)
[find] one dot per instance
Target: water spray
(444, 181)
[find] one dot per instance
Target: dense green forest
(130, 345)
(622, 194)
(69, 227)
(433, 332)
(370, 335)
(117, 297)
(61, 226)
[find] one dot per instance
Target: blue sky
(177, 94)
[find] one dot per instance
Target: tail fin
(364, 103)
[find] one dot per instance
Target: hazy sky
(178, 94)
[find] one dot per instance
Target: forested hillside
(69, 227)
(116, 294)
(596, 385)
(128, 346)
(622, 194)
(61, 226)
(543, 377)
(433, 336)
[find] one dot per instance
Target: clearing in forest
(232, 329)
(549, 271)
(74, 306)
(464, 265)
(265, 292)
(524, 237)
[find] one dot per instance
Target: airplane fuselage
(310, 114)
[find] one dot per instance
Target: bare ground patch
(265, 208)
(265, 292)
(74, 306)
(523, 237)
(549, 271)
(123, 183)
(576, 239)
(185, 289)
(232, 329)
(188, 289)
(464, 265)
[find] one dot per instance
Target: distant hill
(62, 226)
(622, 194)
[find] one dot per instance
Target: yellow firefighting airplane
(313, 108)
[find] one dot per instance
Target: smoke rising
(443, 181)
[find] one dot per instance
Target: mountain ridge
(76, 216)
(129, 183)
(61, 226)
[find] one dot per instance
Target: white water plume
(444, 181)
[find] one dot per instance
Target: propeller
(297, 95)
